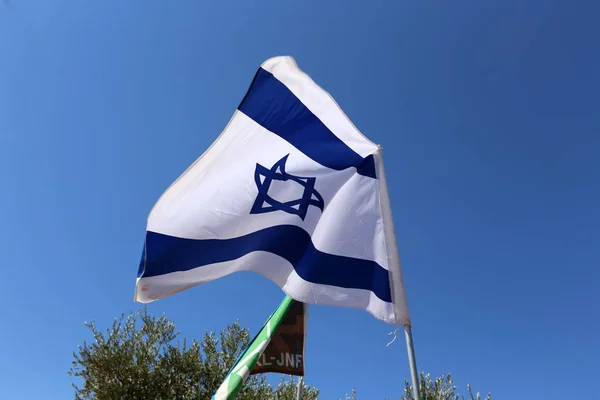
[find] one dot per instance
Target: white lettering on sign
(289, 360)
(285, 359)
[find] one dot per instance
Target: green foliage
(139, 358)
(442, 388)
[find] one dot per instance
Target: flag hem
(397, 289)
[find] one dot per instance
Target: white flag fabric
(290, 190)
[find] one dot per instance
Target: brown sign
(285, 353)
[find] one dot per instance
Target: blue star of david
(265, 203)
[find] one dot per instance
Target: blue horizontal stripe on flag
(273, 106)
(164, 254)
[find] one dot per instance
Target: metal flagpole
(412, 362)
(299, 388)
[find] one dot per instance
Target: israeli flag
(290, 190)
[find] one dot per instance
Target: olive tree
(140, 357)
(442, 388)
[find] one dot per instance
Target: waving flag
(290, 190)
(247, 361)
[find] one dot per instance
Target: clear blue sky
(489, 116)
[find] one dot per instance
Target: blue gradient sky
(489, 116)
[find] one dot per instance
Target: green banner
(241, 370)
